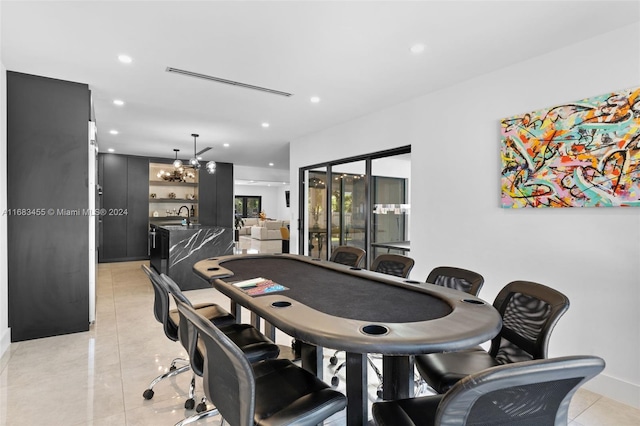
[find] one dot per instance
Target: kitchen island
(175, 248)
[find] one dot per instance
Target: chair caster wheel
(189, 404)
(379, 393)
(201, 407)
(333, 360)
(148, 394)
(334, 381)
(173, 367)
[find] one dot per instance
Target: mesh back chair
(529, 313)
(347, 255)
(530, 393)
(254, 344)
(270, 392)
(390, 264)
(393, 264)
(457, 279)
(170, 319)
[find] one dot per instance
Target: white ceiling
(353, 55)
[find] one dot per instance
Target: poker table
(326, 304)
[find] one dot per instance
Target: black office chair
(347, 255)
(270, 392)
(393, 264)
(457, 279)
(169, 320)
(254, 344)
(530, 393)
(529, 313)
(390, 264)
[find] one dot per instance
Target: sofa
(268, 229)
(248, 223)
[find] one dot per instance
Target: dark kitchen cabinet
(216, 196)
(124, 223)
(47, 189)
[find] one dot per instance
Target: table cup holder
(374, 330)
(412, 282)
(281, 304)
(473, 301)
(213, 268)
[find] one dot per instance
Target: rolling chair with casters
(169, 320)
(254, 344)
(347, 255)
(456, 278)
(529, 313)
(270, 392)
(536, 392)
(390, 264)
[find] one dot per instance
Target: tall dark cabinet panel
(112, 177)
(216, 196)
(125, 198)
(48, 233)
(138, 208)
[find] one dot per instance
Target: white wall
(5, 335)
(591, 255)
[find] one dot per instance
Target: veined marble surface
(191, 243)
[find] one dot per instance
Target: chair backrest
(284, 233)
(187, 334)
(530, 393)
(347, 255)
(393, 264)
(456, 278)
(228, 378)
(529, 313)
(161, 304)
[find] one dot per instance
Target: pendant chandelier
(179, 173)
(210, 166)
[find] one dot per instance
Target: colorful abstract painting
(580, 154)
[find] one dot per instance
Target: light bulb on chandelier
(177, 163)
(210, 166)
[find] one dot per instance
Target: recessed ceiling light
(111, 150)
(125, 59)
(417, 48)
(315, 99)
(226, 145)
(265, 124)
(113, 132)
(118, 102)
(199, 157)
(271, 164)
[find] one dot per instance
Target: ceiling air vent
(225, 81)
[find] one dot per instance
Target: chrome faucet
(188, 214)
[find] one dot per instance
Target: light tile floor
(97, 377)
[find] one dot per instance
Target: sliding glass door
(348, 204)
(367, 202)
(390, 205)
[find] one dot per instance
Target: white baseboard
(619, 390)
(5, 341)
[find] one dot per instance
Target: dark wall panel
(225, 201)
(137, 207)
(125, 200)
(216, 196)
(48, 236)
(114, 197)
